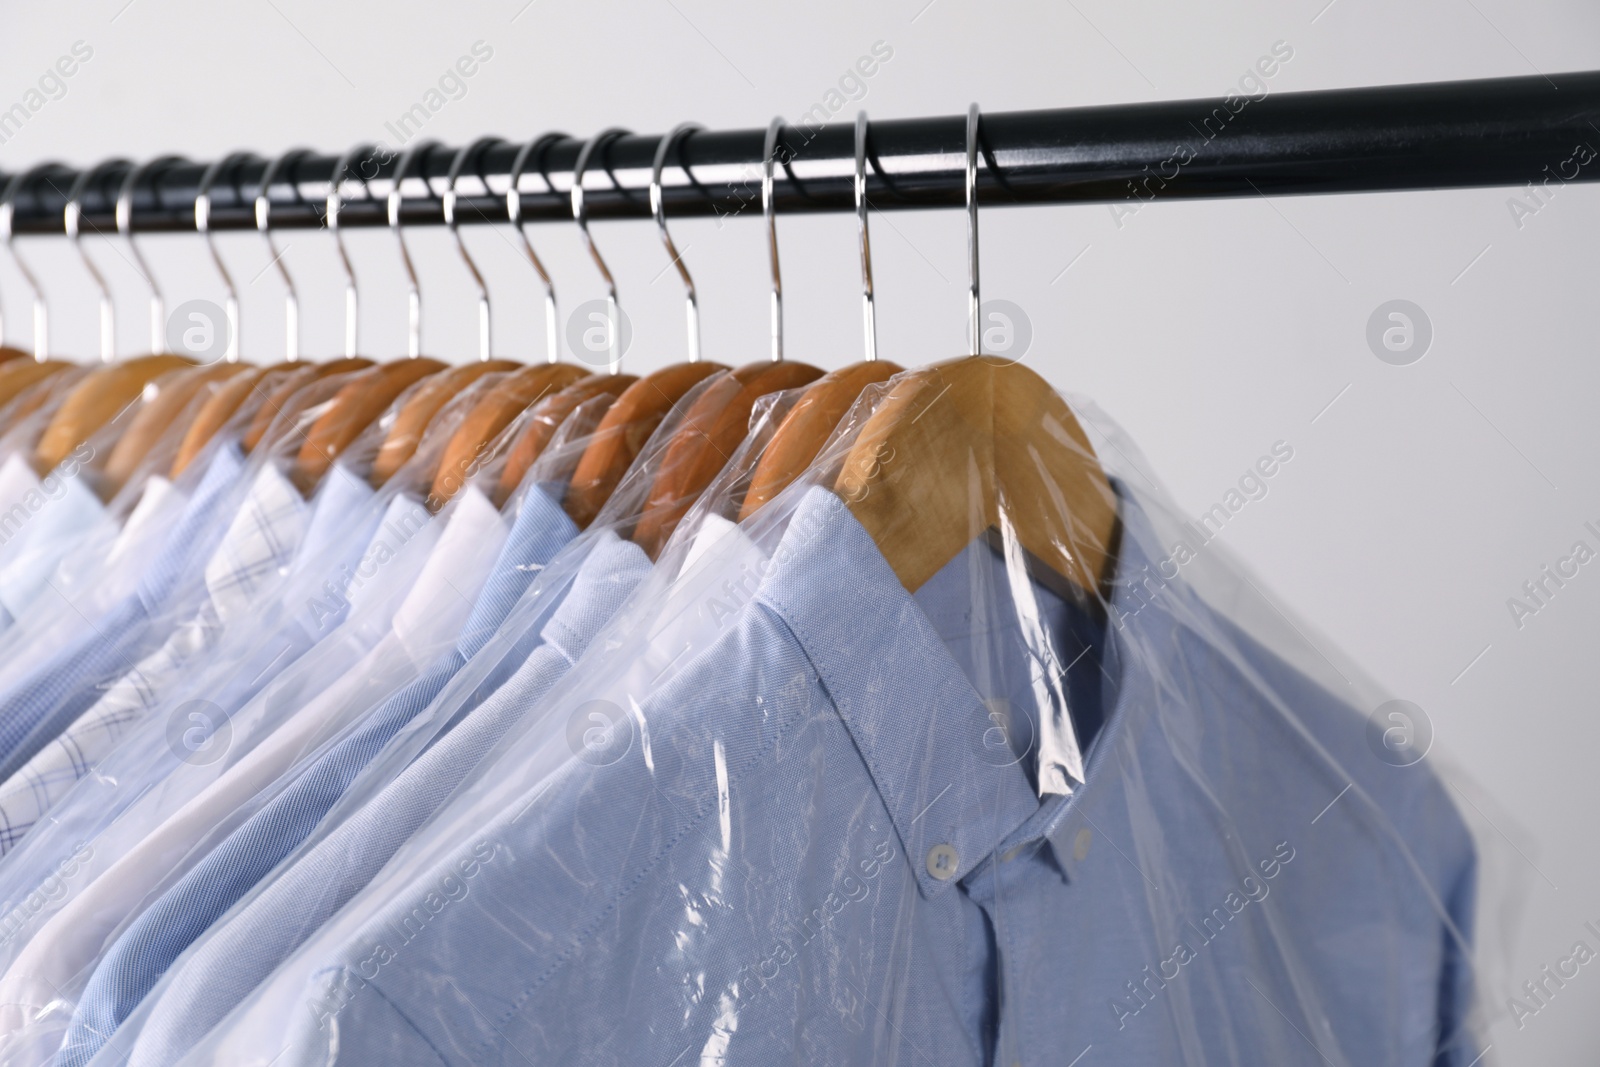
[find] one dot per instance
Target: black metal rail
(1494, 132)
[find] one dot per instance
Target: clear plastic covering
(968, 748)
(172, 684)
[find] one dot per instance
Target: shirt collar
(611, 569)
(911, 710)
(540, 530)
(441, 599)
(341, 499)
(259, 542)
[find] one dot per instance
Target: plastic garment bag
(286, 809)
(571, 598)
(175, 793)
(75, 558)
(843, 827)
(41, 519)
(41, 854)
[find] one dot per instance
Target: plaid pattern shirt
(257, 546)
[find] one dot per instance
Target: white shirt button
(943, 862)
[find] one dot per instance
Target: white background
(1415, 505)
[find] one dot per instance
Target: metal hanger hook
(352, 309)
(536, 147)
(770, 213)
(396, 200)
(975, 327)
(158, 314)
(202, 223)
(72, 218)
(869, 324)
(659, 210)
(41, 311)
(263, 203)
(580, 215)
(472, 151)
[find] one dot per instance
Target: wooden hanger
(548, 416)
(425, 402)
(276, 386)
(101, 397)
(288, 396)
(622, 433)
(712, 428)
(17, 377)
(636, 413)
(354, 408)
(156, 418)
(19, 374)
(417, 412)
(720, 417)
(800, 436)
(508, 398)
(109, 390)
(530, 385)
(973, 445)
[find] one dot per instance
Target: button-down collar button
(943, 861)
(1080, 844)
(1012, 854)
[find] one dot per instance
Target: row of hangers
(978, 444)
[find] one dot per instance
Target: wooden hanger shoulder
(7, 354)
(18, 377)
(548, 417)
(97, 400)
(351, 411)
(711, 430)
(280, 398)
(975, 444)
(417, 412)
(507, 399)
(157, 415)
(225, 400)
(623, 432)
(806, 428)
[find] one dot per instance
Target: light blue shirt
(44, 703)
(239, 953)
(343, 518)
(144, 951)
(820, 857)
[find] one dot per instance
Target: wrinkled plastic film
(821, 836)
(598, 567)
(279, 722)
(151, 756)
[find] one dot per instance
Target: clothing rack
(1489, 132)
